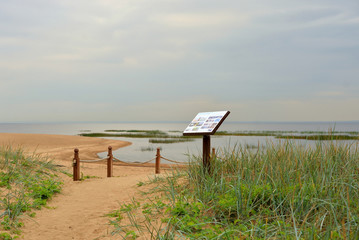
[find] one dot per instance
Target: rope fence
(173, 161)
(133, 163)
(93, 161)
(110, 159)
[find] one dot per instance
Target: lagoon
(176, 151)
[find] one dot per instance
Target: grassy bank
(282, 191)
(306, 135)
(129, 133)
(170, 140)
(157, 136)
(26, 183)
(154, 136)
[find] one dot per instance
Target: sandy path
(78, 212)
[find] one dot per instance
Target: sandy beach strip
(78, 212)
(60, 147)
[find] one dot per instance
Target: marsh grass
(280, 191)
(157, 136)
(154, 136)
(149, 149)
(171, 140)
(155, 132)
(128, 133)
(26, 183)
(321, 137)
(307, 135)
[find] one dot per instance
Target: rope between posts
(110, 159)
(90, 161)
(116, 159)
(173, 161)
(132, 163)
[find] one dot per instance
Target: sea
(142, 150)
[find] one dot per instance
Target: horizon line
(153, 121)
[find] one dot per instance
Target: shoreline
(60, 147)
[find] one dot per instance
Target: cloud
(199, 20)
(298, 110)
(64, 57)
(330, 94)
(149, 59)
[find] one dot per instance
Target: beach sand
(60, 147)
(79, 211)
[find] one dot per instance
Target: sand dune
(78, 212)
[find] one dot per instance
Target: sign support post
(206, 124)
(206, 153)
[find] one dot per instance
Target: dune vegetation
(26, 183)
(280, 191)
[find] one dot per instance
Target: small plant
(115, 214)
(131, 235)
(43, 191)
(30, 181)
(84, 177)
(130, 206)
(7, 236)
(140, 184)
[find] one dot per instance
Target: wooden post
(76, 165)
(158, 161)
(206, 153)
(213, 153)
(109, 162)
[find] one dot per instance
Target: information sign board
(206, 123)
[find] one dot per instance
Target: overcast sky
(166, 60)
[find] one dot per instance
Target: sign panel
(206, 123)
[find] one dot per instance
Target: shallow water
(176, 151)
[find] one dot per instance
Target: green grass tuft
(26, 182)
